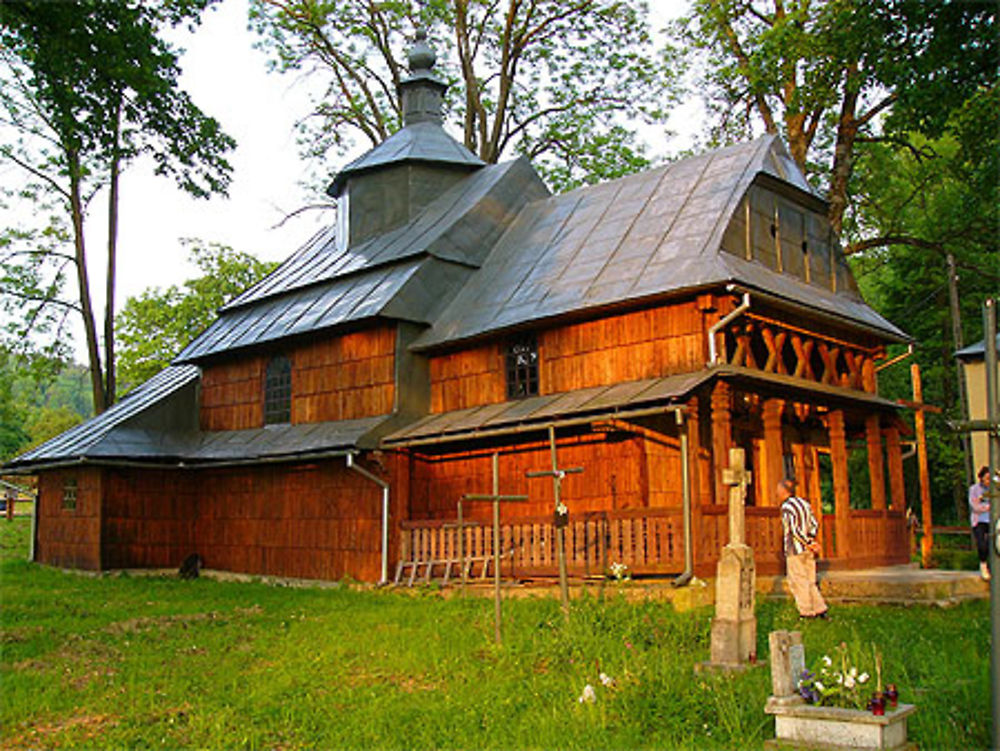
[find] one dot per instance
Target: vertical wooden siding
(624, 347)
(70, 537)
(338, 378)
(344, 377)
(318, 521)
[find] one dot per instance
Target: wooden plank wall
(623, 347)
(345, 377)
(612, 478)
(317, 521)
(149, 518)
(232, 395)
(338, 378)
(70, 538)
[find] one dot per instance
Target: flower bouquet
(841, 681)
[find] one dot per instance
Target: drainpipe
(688, 572)
(713, 356)
(385, 512)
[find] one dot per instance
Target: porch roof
(601, 402)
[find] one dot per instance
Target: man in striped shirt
(799, 526)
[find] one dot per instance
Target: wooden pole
(927, 541)
(496, 547)
(963, 398)
(841, 483)
(560, 530)
(993, 416)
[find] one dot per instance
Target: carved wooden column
(876, 463)
(897, 488)
(722, 438)
(841, 483)
(807, 481)
(773, 463)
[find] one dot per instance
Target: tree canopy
(158, 323)
(87, 87)
(564, 83)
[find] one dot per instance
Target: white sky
(228, 78)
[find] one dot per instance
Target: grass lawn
(140, 662)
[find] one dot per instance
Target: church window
(278, 391)
(69, 494)
(522, 367)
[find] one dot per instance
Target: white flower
(827, 661)
(853, 672)
(561, 509)
(849, 681)
(588, 696)
(607, 680)
(840, 678)
(863, 678)
(820, 687)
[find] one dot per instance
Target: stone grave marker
(734, 628)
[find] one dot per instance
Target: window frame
(521, 378)
(70, 493)
(278, 391)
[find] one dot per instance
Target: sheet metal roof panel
(975, 351)
(78, 440)
(617, 243)
(461, 225)
(418, 142)
(339, 301)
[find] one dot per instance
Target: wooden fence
(648, 541)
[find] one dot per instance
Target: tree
(533, 75)
(87, 87)
(946, 193)
(830, 74)
(157, 324)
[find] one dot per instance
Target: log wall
(625, 347)
(70, 538)
(338, 378)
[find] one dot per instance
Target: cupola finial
(422, 94)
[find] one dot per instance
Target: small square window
(69, 494)
(522, 368)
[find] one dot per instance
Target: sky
(227, 77)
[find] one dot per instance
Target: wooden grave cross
(738, 478)
(557, 474)
(497, 499)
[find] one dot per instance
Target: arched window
(278, 391)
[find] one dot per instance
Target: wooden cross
(497, 499)
(737, 477)
(557, 474)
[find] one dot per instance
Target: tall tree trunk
(86, 307)
(109, 302)
(847, 131)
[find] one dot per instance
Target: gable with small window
(522, 367)
(278, 391)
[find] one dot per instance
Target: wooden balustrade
(648, 541)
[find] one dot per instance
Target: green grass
(119, 662)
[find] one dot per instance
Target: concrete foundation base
(806, 726)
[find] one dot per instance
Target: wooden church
(329, 421)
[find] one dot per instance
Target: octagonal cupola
(390, 184)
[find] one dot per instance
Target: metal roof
(975, 351)
(635, 238)
(157, 423)
(87, 436)
(419, 142)
(538, 411)
(461, 225)
(464, 423)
